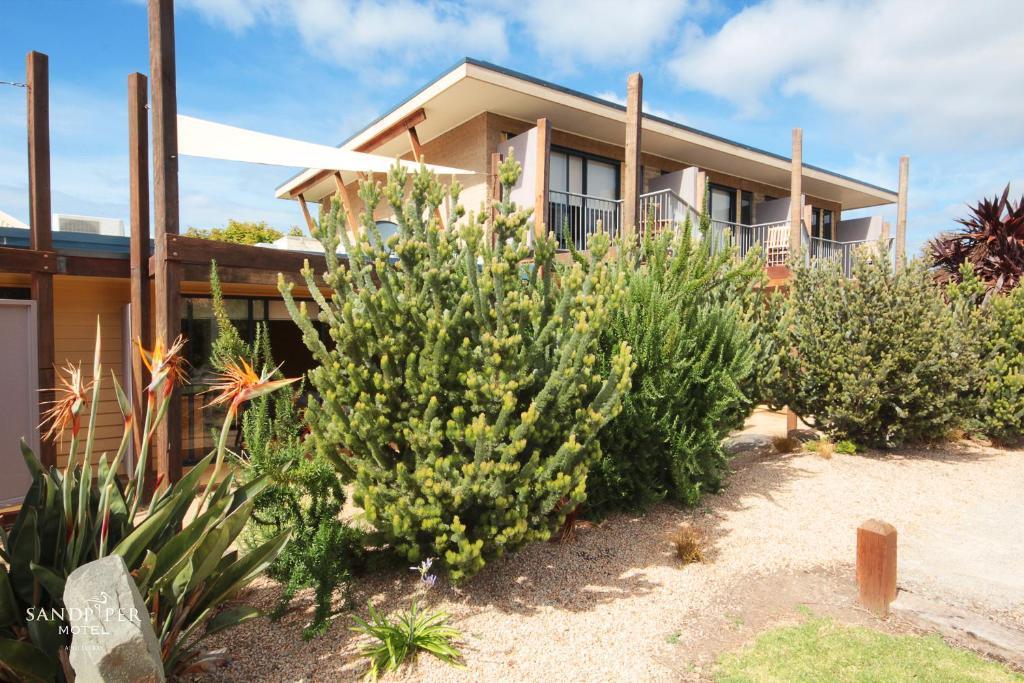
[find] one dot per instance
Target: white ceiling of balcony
(472, 88)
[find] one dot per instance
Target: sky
(939, 80)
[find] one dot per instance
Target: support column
(901, 214)
(631, 177)
(540, 200)
(167, 280)
(40, 234)
(138, 184)
(796, 192)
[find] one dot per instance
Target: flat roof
(472, 86)
(71, 243)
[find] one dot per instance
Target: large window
(198, 325)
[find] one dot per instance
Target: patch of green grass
(820, 650)
(673, 638)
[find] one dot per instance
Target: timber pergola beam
(199, 251)
(405, 125)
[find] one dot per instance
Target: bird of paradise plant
(183, 564)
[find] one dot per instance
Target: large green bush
(877, 358)
(994, 323)
(461, 392)
(684, 315)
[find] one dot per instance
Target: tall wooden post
(138, 191)
(543, 178)
(167, 280)
(901, 214)
(40, 234)
(796, 192)
(631, 177)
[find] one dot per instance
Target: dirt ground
(614, 604)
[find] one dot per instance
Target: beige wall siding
(77, 301)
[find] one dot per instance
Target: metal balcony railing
(822, 251)
(663, 211)
(575, 217)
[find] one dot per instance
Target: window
(815, 223)
(583, 192)
(723, 203)
(747, 208)
(826, 224)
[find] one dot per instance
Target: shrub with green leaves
(304, 495)
(684, 316)
(461, 393)
(877, 358)
(994, 322)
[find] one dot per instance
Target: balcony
(576, 217)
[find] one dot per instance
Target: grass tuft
(787, 444)
(688, 542)
(820, 650)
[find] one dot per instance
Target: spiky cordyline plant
(182, 563)
(991, 240)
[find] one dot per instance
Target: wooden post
(540, 201)
(305, 214)
(138, 190)
(167, 280)
(791, 421)
(796, 192)
(494, 190)
(347, 204)
(40, 231)
(876, 565)
(631, 177)
(901, 214)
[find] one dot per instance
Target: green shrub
(877, 358)
(846, 448)
(683, 316)
(461, 394)
(305, 494)
(994, 321)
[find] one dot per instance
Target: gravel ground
(613, 604)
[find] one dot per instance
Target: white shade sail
(200, 138)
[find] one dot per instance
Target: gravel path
(613, 604)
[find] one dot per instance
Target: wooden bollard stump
(876, 565)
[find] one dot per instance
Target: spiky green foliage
(403, 639)
(180, 554)
(876, 358)
(994, 326)
(304, 495)
(684, 314)
(461, 394)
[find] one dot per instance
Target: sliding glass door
(584, 192)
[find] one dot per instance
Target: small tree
(876, 358)
(461, 393)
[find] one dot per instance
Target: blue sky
(941, 81)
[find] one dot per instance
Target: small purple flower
(424, 570)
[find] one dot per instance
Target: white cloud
(598, 32)
(382, 40)
(945, 68)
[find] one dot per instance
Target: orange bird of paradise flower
(240, 383)
(66, 408)
(164, 364)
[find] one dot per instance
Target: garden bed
(613, 603)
